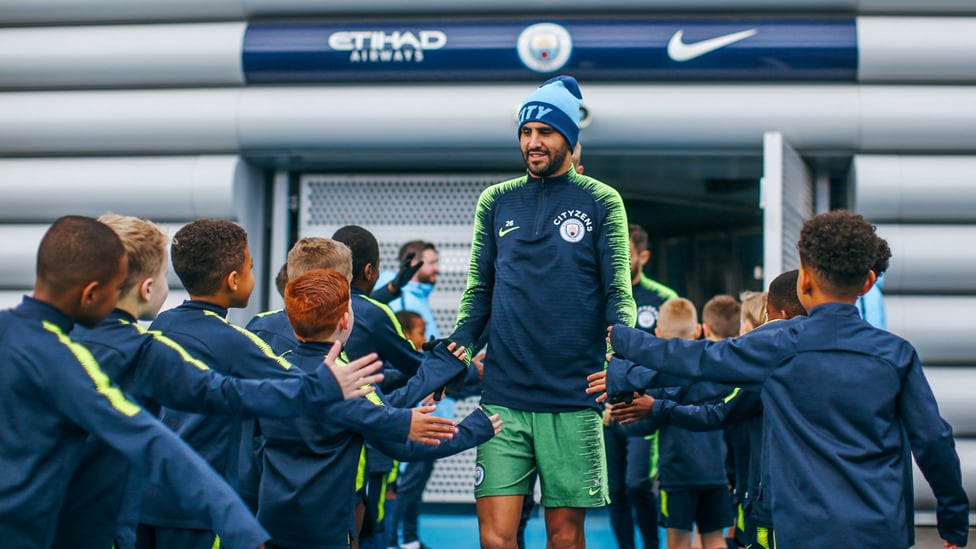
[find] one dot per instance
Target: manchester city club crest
(479, 475)
(572, 230)
(646, 316)
(544, 47)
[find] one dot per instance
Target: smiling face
(545, 151)
(429, 270)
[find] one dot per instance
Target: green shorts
(566, 449)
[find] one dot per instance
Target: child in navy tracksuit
(214, 264)
(53, 394)
(741, 409)
(158, 371)
(845, 404)
(309, 479)
(692, 464)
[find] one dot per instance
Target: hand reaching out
(598, 385)
(496, 422)
(637, 409)
(355, 379)
(407, 269)
(459, 353)
(429, 429)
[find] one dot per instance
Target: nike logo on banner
(502, 232)
(680, 51)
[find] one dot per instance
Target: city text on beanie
(556, 102)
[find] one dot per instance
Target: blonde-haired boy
(693, 480)
(678, 318)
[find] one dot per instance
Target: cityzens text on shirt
(383, 47)
(574, 214)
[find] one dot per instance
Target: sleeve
(735, 407)
(171, 376)
(381, 291)
(438, 368)
(253, 357)
(624, 376)
(475, 308)
(472, 431)
(746, 360)
(89, 399)
(935, 452)
(614, 252)
(392, 345)
(371, 417)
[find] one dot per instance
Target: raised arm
(472, 431)
(168, 374)
(87, 398)
(743, 361)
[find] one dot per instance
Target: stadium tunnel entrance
(717, 220)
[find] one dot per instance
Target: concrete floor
(460, 531)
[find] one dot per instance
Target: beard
(546, 168)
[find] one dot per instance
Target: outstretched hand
(407, 269)
(496, 422)
(950, 545)
(355, 379)
(629, 412)
(428, 429)
(458, 352)
(598, 385)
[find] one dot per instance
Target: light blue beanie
(556, 102)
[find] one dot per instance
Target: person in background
(632, 460)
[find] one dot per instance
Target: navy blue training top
(550, 270)
(840, 398)
(54, 395)
(309, 478)
(157, 371)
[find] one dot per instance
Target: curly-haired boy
(845, 404)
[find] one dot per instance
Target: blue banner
(671, 49)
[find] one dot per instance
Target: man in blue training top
(549, 255)
(845, 403)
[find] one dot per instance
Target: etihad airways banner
(790, 49)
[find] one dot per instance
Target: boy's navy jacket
(740, 413)
(840, 397)
(308, 483)
(156, 370)
(202, 329)
(378, 331)
(550, 270)
(273, 327)
(54, 395)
